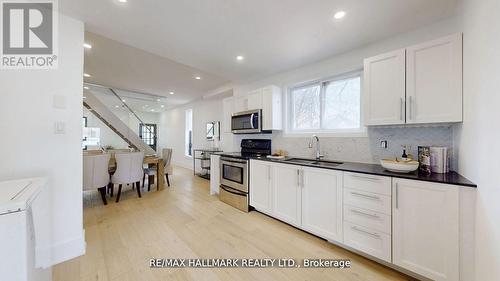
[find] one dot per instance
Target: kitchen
(382, 210)
(280, 140)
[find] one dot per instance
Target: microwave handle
(251, 120)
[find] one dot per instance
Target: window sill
(327, 134)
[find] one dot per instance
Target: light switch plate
(59, 102)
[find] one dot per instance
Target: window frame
(154, 134)
(289, 111)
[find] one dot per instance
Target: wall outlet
(383, 144)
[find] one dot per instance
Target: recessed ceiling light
(122, 1)
(117, 106)
(171, 93)
(158, 100)
(338, 15)
(85, 87)
(87, 75)
(197, 78)
(87, 46)
(123, 100)
(152, 110)
(240, 58)
(162, 106)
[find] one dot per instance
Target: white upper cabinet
(269, 100)
(271, 108)
(384, 89)
(228, 110)
(322, 202)
(416, 85)
(261, 186)
(254, 100)
(425, 228)
(434, 81)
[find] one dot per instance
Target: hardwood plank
(184, 221)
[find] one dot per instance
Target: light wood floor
(184, 221)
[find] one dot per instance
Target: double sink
(312, 162)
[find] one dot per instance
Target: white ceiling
(273, 35)
(118, 65)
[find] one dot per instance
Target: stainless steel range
(234, 172)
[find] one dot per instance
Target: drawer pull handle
(365, 177)
(365, 214)
(365, 232)
(366, 196)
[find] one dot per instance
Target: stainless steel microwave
(247, 122)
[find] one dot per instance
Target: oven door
(247, 122)
(234, 173)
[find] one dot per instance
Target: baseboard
(63, 251)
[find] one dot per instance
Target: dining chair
(167, 162)
(95, 173)
(167, 170)
(128, 170)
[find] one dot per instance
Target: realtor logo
(28, 34)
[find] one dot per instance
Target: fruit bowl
(399, 166)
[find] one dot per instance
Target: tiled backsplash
(365, 149)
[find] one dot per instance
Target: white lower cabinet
(322, 202)
(367, 214)
(368, 240)
(261, 186)
(287, 193)
(425, 228)
(411, 224)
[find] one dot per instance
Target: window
(327, 106)
(147, 132)
(188, 137)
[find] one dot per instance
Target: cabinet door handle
(365, 214)
(366, 195)
(397, 196)
(411, 107)
(401, 105)
(302, 178)
(366, 232)
(269, 172)
(365, 177)
(298, 177)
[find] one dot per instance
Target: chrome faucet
(318, 153)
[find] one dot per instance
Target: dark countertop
(452, 178)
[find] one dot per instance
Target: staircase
(101, 111)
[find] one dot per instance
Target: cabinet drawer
(367, 240)
(367, 218)
(367, 200)
(369, 183)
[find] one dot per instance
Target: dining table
(148, 160)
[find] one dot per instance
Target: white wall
(477, 139)
(359, 149)
(172, 126)
(28, 145)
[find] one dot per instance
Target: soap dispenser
(404, 156)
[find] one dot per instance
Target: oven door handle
(251, 120)
(233, 161)
(233, 191)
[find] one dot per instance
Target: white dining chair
(128, 170)
(167, 169)
(167, 161)
(95, 173)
